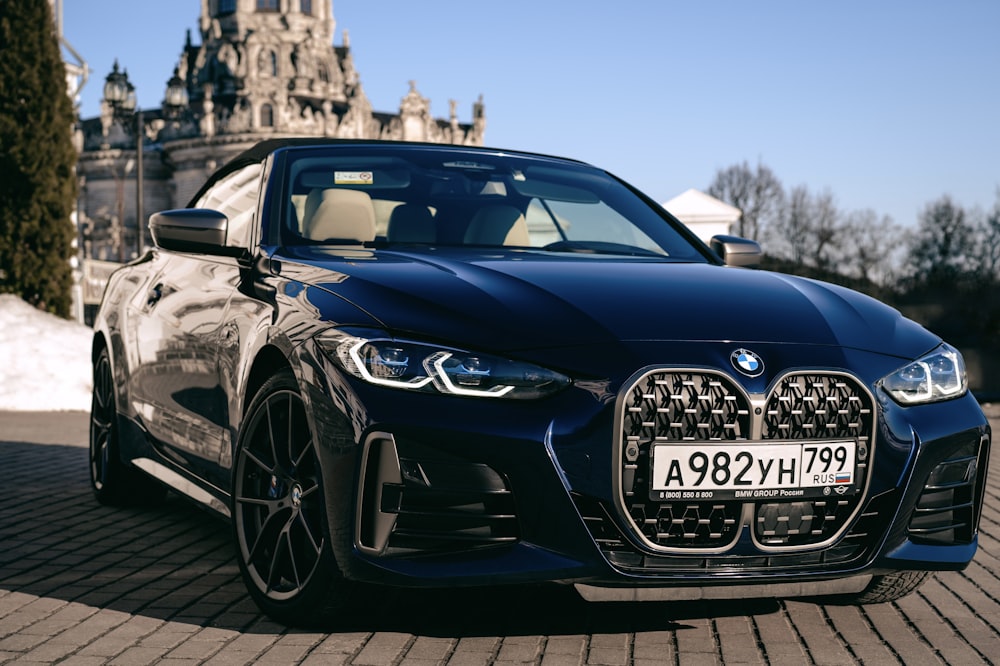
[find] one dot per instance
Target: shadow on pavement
(175, 562)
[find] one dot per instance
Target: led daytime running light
(358, 364)
(434, 364)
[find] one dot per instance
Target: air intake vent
(418, 505)
(945, 512)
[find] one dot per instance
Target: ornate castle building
(263, 69)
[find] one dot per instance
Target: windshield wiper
(600, 247)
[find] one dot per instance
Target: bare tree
(789, 235)
(871, 246)
(941, 249)
(757, 193)
(986, 256)
(808, 229)
(824, 231)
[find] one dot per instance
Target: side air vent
(945, 512)
(413, 505)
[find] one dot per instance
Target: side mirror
(736, 251)
(197, 230)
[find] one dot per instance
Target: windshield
(385, 196)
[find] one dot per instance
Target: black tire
(890, 587)
(279, 515)
(882, 589)
(114, 483)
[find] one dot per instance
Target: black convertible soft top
(256, 153)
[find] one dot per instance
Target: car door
(179, 398)
(181, 392)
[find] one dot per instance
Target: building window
(267, 116)
(306, 6)
(268, 5)
(226, 7)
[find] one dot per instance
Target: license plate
(752, 471)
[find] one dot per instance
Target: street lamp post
(120, 94)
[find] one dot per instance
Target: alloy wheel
(277, 498)
(102, 420)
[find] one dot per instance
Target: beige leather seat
(345, 215)
(411, 223)
(312, 202)
(498, 225)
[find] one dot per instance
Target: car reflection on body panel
(426, 365)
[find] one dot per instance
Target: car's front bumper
(435, 491)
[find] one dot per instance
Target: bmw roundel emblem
(747, 362)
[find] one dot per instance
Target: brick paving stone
(255, 643)
(347, 643)
(937, 631)
(425, 647)
(48, 652)
(865, 645)
(473, 651)
(979, 614)
(196, 650)
(565, 650)
(280, 655)
(610, 650)
(780, 641)
(554, 659)
(737, 641)
(696, 638)
(520, 649)
(138, 655)
(654, 646)
(21, 642)
(894, 630)
(383, 648)
(167, 636)
(233, 657)
(326, 660)
(821, 642)
(471, 659)
(77, 660)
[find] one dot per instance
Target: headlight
(418, 367)
(938, 376)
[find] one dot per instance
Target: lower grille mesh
(857, 544)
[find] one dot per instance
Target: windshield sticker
(353, 178)
(469, 165)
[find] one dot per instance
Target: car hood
(521, 300)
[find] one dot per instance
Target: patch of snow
(44, 360)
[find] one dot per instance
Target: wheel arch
(98, 343)
(269, 361)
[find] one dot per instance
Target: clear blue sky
(888, 105)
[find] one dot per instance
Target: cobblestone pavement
(85, 584)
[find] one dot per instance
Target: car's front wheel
(279, 516)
